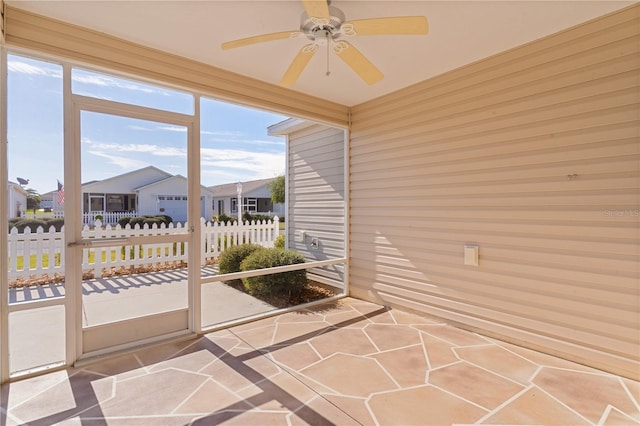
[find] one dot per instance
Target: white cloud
(55, 71)
(105, 81)
(217, 176)
(26, 68)
(258, 142)
(125, 163)
(160, 151)
(93, 95)
(278, 145)
(259, 164)
(180, 129)
(264, 142)
(141, 128)
(229, 133)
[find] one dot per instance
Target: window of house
(115, 203)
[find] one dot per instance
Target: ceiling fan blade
(298, 65)
(358, 62)
(406, 25)
(260, 39)
(317, 8)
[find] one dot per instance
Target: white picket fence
(110, 218)
(48, 247)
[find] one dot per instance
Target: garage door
(174, 206)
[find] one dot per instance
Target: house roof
(230, 189)
(17, 187)
(88, 185)
(163, 181)
(288, 126)
(460, 32)
(48, 195)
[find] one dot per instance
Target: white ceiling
(460, 32)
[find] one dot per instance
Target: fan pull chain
(328, 47)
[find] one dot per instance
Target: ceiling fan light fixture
(325, 26)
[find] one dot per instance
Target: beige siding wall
(534, 155)
(316, 197)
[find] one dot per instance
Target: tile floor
(345, 363)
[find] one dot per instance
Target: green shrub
(13, 222)
(124, 221)
(230, 259)
(167, 220)
(223, 218)
(58, 223)
(150, 220)
(279, 242)
(21, 223)
(285, 283)
(98, 217)
(158, 221)
(32, 224)
(248, 217)
(137, 221)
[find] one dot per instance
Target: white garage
(169, 197)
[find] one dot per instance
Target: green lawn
(32, 261)
(45, 257)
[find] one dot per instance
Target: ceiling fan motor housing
(321, 30)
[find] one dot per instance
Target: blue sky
(234, 141)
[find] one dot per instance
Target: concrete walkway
(36, 336)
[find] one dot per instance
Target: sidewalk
(37, 335)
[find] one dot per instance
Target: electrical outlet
(315, 243)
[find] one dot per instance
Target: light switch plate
(471, 254)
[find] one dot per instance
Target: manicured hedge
(150, 220)
(279, 242)
(281, 284)
(124, 221)
(230, 259)
(21, 223)
(223, 218)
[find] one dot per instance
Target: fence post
(204, 245)
(51, 248)
(276, 229)
(13, 253)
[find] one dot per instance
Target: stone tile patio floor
(346, 363)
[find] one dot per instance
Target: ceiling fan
(325, 25)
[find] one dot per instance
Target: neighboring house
(47, 199)
(316, 202)
(17, 200)
(146, 191)
(256, 198)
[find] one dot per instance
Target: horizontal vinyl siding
(316, 197)
(42, 34)
(534, 155)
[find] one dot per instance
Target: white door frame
(73, 208)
